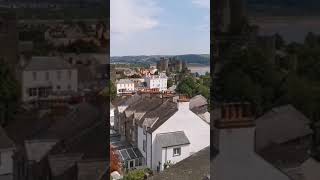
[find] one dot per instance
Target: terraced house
(165, 130)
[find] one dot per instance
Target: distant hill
(203, 59)
(284, 7)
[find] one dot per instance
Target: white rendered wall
(126, 87)
(53, 81)
(147, 154)
(6, 166)
(160, 83)
(236, 155)
(196, 129)
(167, 155)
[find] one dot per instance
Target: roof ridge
(170, 132)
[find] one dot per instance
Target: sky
(159, 27)
(292, 19)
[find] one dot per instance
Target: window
(34, 75)
(47, 76)
(131, 164)
(58, 87)
(144, 145)
(32, 92)
(177, 151)
(69, 87)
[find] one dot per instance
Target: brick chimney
(182, 102)
(183, 98)
(235, 115)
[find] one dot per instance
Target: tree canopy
(292, 78)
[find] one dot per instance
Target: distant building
(171, 64)
(111, 115)
(157, 81)
(125, 86)
(45, 76)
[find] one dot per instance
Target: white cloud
(129, 16)
(202, 3)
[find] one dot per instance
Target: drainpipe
(151, 150)
(166, 159)
(146, 146)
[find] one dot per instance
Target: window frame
(176, 154)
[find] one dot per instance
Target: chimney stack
(235, 115)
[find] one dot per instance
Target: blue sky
(160, 27)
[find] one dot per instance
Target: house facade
(156, 81)
(125, 86)
(154, 125)
(45, 76)
(190, 138)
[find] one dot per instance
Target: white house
(7, 151)
(236, 158)
(111, 115)
(43, 76)
(170, 133)
(156, 81)
(125, 86)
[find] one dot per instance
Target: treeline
(291, 77)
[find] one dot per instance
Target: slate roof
(198, 101)
(289, 155)
(92, 169)
(280, 125)
(92, 143)
(143, 105)
(47, 63)
(5, 141)
(172, 139)
(87, 152)
(37, 149)
(158, 116)
(196, 167)
(81, 117)
(59, 164)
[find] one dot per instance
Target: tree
(311, 40)
(139, 174)
(109, 92)
(115, 164)
(170, 83)
(187, 86)
(9, 92)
